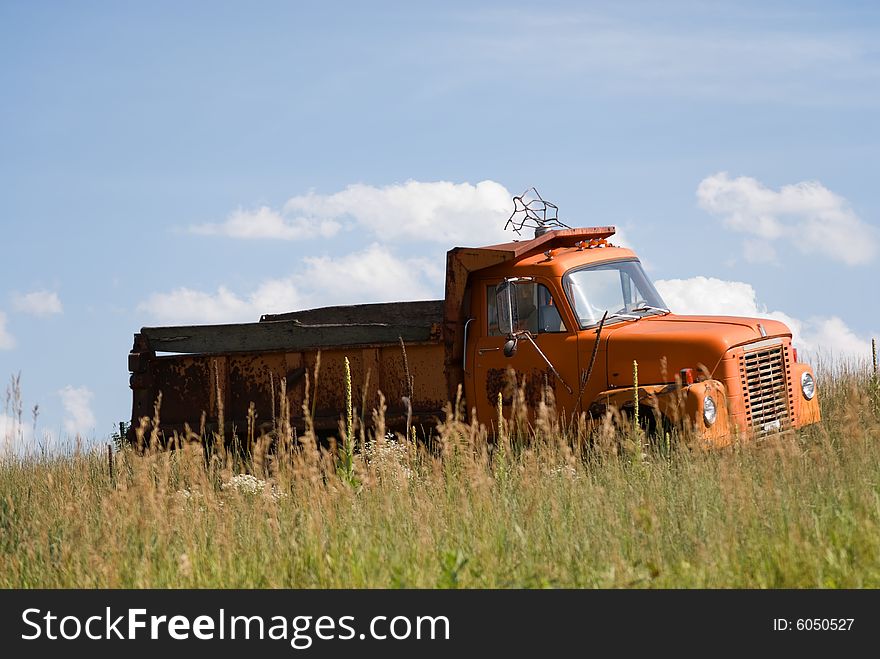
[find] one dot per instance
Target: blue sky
(195, 162)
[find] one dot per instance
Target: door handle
(482, 350)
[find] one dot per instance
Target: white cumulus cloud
(435, 211)
(77, 402)
(14, 436)
(186, 305)
(267, 223)
(828, 336)
(438, 211)
(38, 303)
(7, 341)
(806, 215)
(374, 274)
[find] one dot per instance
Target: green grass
(800, 510)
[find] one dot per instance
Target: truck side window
(536, 308)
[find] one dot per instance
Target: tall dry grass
(541, 507)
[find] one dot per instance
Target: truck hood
(685, 342)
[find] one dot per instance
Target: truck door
(539, 314)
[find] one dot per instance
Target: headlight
(808, 385)
(710, 412)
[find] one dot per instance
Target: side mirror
(505, 307)
(510, 348)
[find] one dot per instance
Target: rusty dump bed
(218, 371)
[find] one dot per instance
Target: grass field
(797, 510)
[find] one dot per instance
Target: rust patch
(189, 385)
(505, 381)
(500, 381)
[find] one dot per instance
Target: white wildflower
(244, 483)
(563, 471)
(187, 496)
(389, 459)
(184, 565)
(250, 485)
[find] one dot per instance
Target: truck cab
(568, 314)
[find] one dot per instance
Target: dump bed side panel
(215, 388)
(232, 376)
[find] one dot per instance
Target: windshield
(620, 287)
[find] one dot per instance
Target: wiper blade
(587, 322)
(627, 316)
(648, 307)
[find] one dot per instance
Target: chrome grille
(765, 378)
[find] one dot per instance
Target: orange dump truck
(566, 311)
